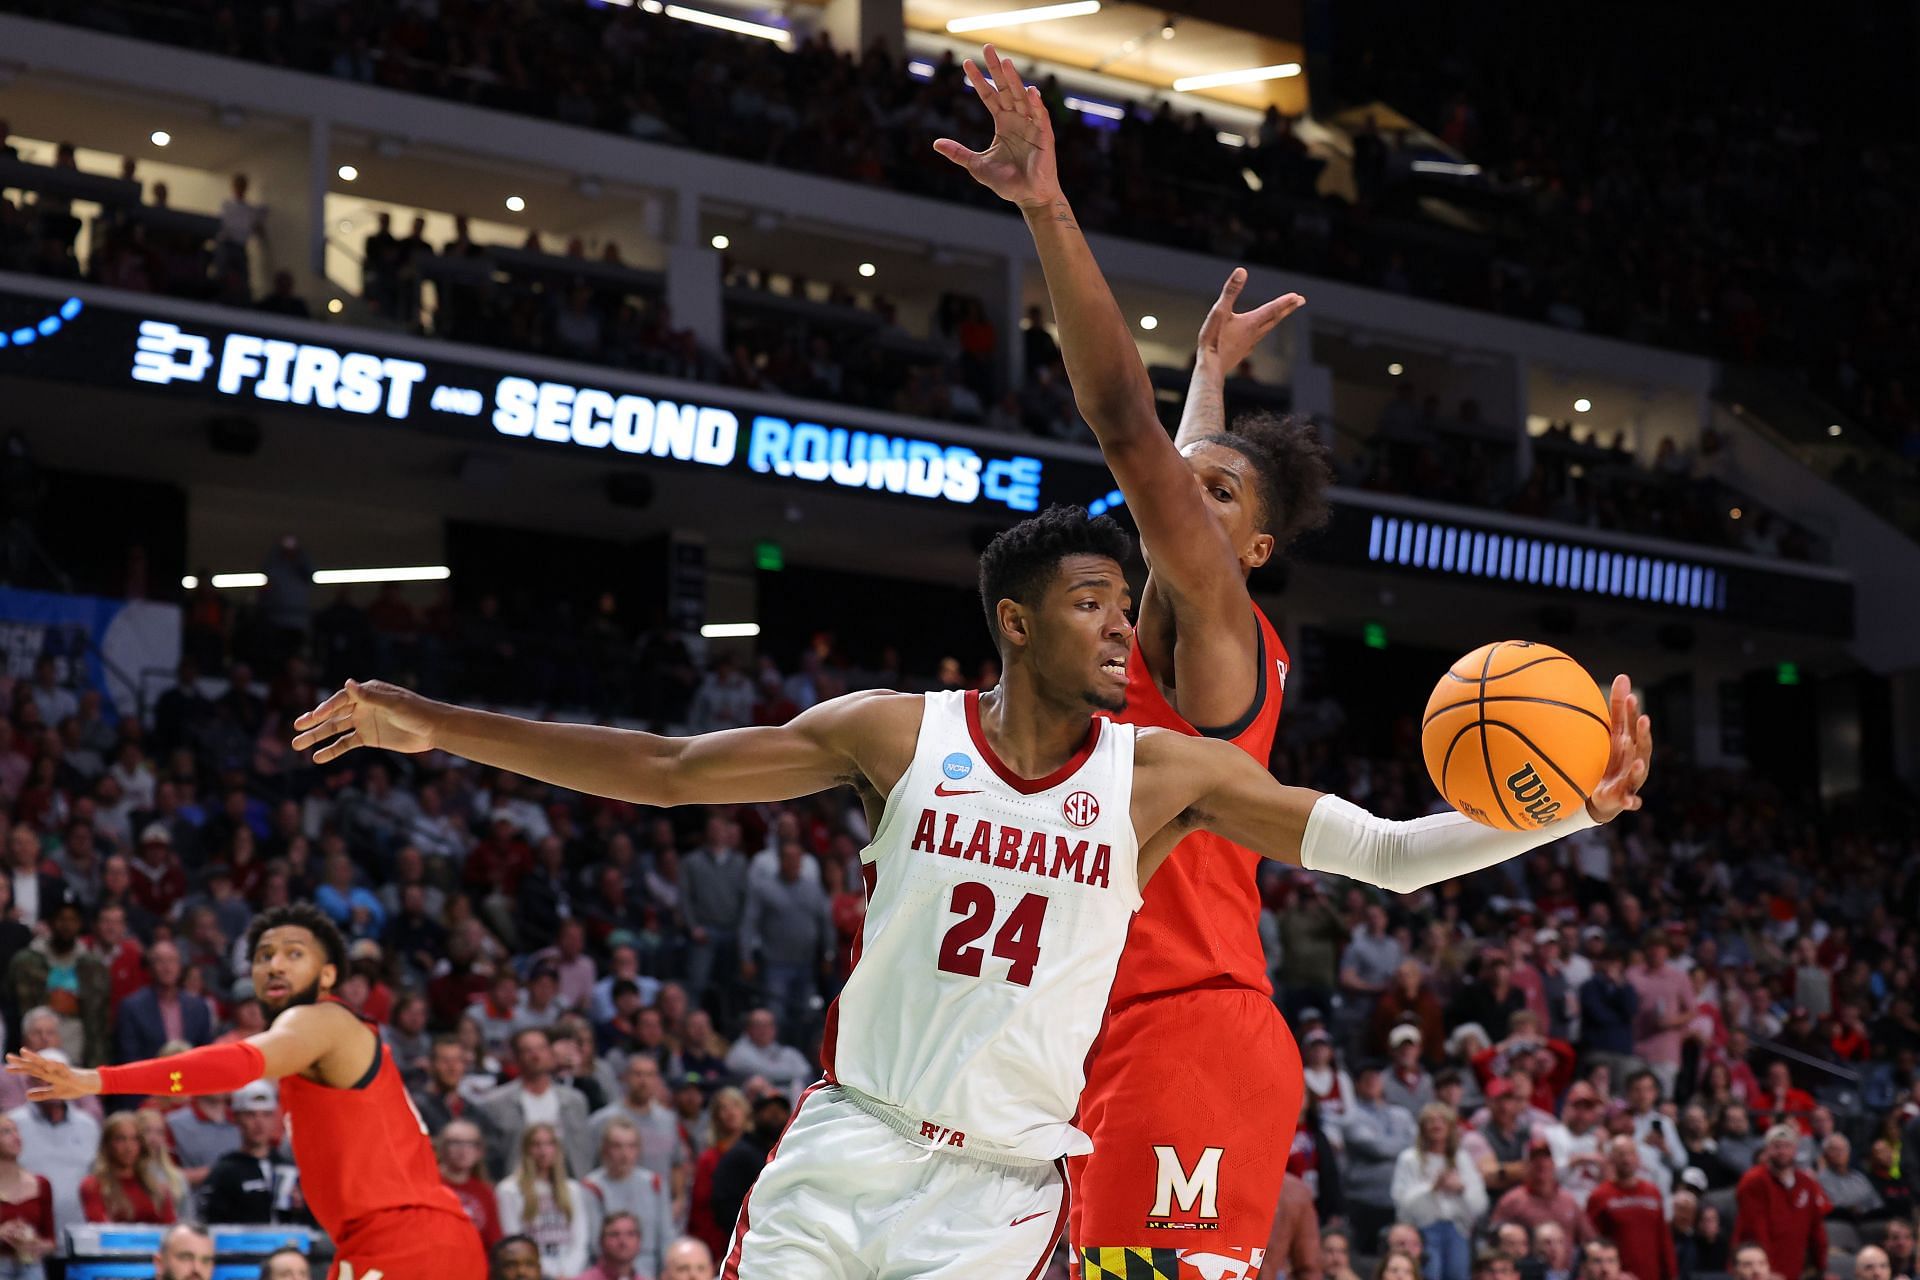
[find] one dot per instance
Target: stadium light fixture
(335, 306)
(352, 577)
(719, 21)
(1149, 322)
(1834, 430)
(160, 138)
(1395, 369)
(1226, 139)
(1247, 75)
(348, 173)
(729, 630)
(1448, 167)
(867, 269)
(189, 583)
(1582, 405)
(1020, 17)
(1105, 110)
(920, 69)
(515, 204)
(235, 581)
(720, 242)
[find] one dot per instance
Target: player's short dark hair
(1020, 561)
(266, 1263)
(306, 916)
(1294, 470)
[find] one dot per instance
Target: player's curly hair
(1018, 563)
(308, 917)
(1294, 472)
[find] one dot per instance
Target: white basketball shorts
(847, 1197)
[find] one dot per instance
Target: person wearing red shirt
(1782, 1209)
(1541, 1198)
(462, 1152)
(1780, 1101)
(127, 1184)
(730, 1117)
(26, 1206)
(1627, 1209)
(1849, 1036)
(125, 958)
(1527, 1046)
(496, 863)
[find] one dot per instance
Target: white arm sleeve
(1344, 839)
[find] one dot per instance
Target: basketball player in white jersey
(1013, 831)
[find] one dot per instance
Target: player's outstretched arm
(297, 1040)
(821, 748)
(1226, 338)
(1202, 783)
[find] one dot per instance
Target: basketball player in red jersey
(1192, 1096)
(367, 1168)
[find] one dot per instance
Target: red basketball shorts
(1191, 1104)
(410, 1244)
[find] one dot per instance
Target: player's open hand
(1019, 164)
(1628, 758)
(370, 714)
(1227, 336)
(56, 1080)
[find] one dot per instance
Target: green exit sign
(1787, 673)
(767, 556)
(1374, 636)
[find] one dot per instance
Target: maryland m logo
(1175, 1186)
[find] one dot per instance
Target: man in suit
(441, 1101)
(161, 1011)
(536, 1097)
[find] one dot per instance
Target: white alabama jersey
(997, 909)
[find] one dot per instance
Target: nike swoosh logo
(941, 789)
(1030, 1217)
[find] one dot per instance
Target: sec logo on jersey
(957, 766)
(1081, 809)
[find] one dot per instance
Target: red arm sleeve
(219, 1068)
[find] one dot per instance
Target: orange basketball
(1515, 735)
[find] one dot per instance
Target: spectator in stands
(621, 1188)
(128, 1182)
(37, 887)
(59, 1142)
(1395, 1265)
(1438, 1189)
(1336, 1256)
(662, 1150)
(186, 1253)
(462, 1152)
(201, 1132)
(759, 1053)
(730, 1115)
(1782, 1208)
(1738, 1144)
(1311, 933)
(160, 1011)
(1872, 1263)
(26, 1211)
(533, 1098)
(1629, 1210)
(1781, 1102)
(1849, 1191)
(1553, 1256)
(724, 699)
(1409, 1001)
(1374, 1133)
(713, 884)
(1899, 1243)
(619, 1238)
(1505, 1139)
(515, 1258)
(688, 1259)
(159, 879)
(60, 972)
(1651, 1126)
(241, 224)
(1541, 1199)
(541, 1198)
(787, 938)
(739, 1168)
(1407, 1084)
(354, 907)
(286, 1263)
(254, 1182)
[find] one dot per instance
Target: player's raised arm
(1188, 783)
(1110, 383)
(1226, 338)
(823, 747)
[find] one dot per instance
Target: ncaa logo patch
(957, 766)
(1081, 809)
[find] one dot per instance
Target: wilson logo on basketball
(1081, 809)
(1531, 792)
